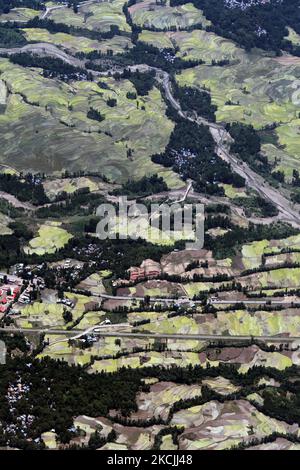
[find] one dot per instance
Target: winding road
(287, 211)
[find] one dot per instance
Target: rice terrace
(135, 341)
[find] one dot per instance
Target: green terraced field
(149, 14)
(206, 46)
(51, 237)
(261, 97)
(157, 39)
(19, 14)
(99, 16)
(48, 120)
(41, 315)
(74, 44)
(252, 253)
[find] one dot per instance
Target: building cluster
(16, 392)
(149, 269)
(244, 4)
(10, 288)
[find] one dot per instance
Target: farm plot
(252, 253)
(47, 120)
(51, 237)
(99, 16)
(154, 289)
(53, 187)
(74, 44)
(93, 284)
(162, 395)
(19, 14)
(146, 359)
(241, 322)
(204, 45)
(148, 14)
(59, 348)
(217, 426)
(285, 158)
(157, 39)
(276, 278)
(261, 98)
(40, 315)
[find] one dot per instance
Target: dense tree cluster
(192, 99)
(225, 246)
(10, 36)
(143, 81)
(144, 187)
(57, 393)
(263, 25)
(7, 5)
(52, 66)
(247, 144)
(191, 153)
(26, 188)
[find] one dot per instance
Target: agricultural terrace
(231, 423)
(149, 14)
(157, 39)
(53, 187)
(252, 252)
(261, 98)
(74, 44)
(51, 237)
(50, 122)
(98, 16)
(194, 45)
(19, 14)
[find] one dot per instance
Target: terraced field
(53, 187)
(74, 44)
(268, 95)
(157, 39)
(50, 119)
(252, 253)
(220, 426)
(41, 315)
(206, 46)
(99, 16)
(51, 237)
(19, 14)
(148, 14)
